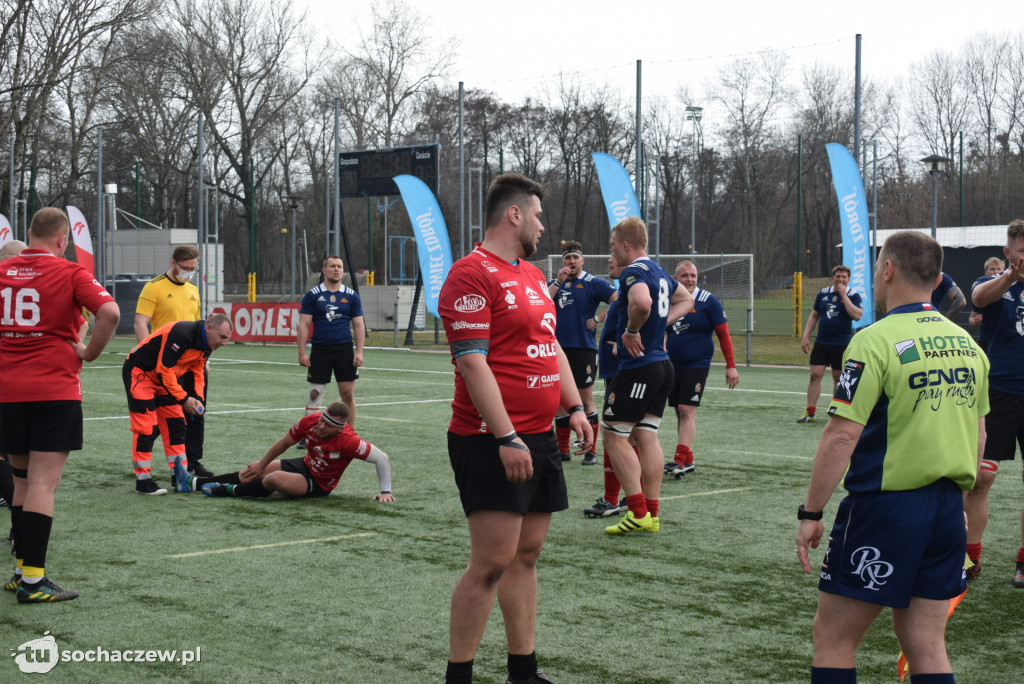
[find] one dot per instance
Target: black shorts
(1004, 425)
(298, 465)
(325, 358)
(828, 355)
(41, 426)
(583, 363)
(688, 387)
(480, 475)
(638, 392)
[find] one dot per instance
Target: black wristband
(632, 332)
(578, 408)
(803, 514)
(509, 440)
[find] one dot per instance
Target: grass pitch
(345, 589)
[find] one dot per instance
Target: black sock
(459, 673)
(254, 488)
(944, 678)
(227, 478)
(521, 667)
(34, 538)
(16, 529)
(833, 675)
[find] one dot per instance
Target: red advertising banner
(261, 322)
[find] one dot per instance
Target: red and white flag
(83, 242)
(5, 231)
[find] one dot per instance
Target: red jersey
(41, 298)
(328, 458)
(487, 298)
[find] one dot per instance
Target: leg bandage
(315, 398)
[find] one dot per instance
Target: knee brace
(316, 396)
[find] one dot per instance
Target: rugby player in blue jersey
(577, 295)
(835, 310)
(1000, 299)
(649, 300)
(690, 349)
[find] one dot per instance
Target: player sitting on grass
(330, 446)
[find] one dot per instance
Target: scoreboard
(369, 173)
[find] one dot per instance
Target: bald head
(12, 248)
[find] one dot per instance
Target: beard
(528, 243)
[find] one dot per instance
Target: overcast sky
(519, 51)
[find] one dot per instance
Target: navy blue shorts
(886, 547)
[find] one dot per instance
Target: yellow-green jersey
(166, 301)
(918, 384)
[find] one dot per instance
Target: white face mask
(186, 276)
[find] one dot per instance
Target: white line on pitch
(271, 546)
(717, 491)
(295, 408)
(759, 453)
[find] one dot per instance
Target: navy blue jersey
(1002, 324)
(608, 363)
(645, 273)
(690, 343)
(939, 293)
(835, 327)
(575, 303)
(332, 313)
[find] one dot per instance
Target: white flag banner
(83, 241)
(5, 231)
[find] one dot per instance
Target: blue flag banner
(853, 217)
(431, 236)
(616, 188)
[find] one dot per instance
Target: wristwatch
(802, 514)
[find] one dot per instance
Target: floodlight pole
(694, 114)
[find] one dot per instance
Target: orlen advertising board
(261, 322)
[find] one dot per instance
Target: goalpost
(730, 277)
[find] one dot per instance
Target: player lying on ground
(331, 445)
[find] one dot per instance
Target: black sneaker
(12, 584)
(1018, 577)
(675, 470)
(148, 486)
(44, 591)
(215, 489)
(589, 459)
(688, 468)
(301, 444)
(566, 456)
(539, 678)
(601, 509)
(197, 469)
(973, 571)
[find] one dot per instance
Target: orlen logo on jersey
(470, 303)
(540, 350)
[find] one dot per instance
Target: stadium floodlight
(293, 202)
(935, 164)
(694, 114)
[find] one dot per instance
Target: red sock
(811, 410)
(637, 505)
(974, 552)
(652, 506)
(611, 482)
(1020, 555)
(563, 433)
(683, 455)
